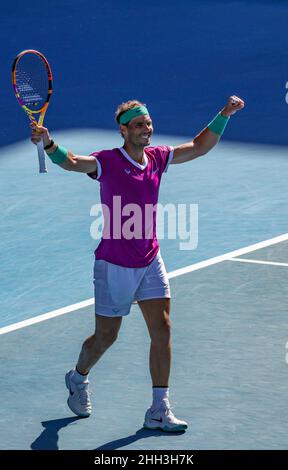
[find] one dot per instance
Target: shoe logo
(159, 420)
(127, 171)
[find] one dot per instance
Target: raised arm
(65, 159)
(209, 136)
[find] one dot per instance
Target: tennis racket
(32, 83)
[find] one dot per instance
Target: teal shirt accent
(218, 124)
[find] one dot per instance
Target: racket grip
(41, 157)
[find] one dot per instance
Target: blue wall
(183, 58)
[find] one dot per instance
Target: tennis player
(128, 263)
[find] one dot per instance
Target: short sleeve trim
(95, 175)
(170, 156)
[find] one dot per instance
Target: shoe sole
(82, 415)
(176, 428)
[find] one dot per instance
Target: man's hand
(39, 133)
(233, 105)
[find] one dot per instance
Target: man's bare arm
(83, 164)
(206, 139)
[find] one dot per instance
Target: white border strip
(171, 275)
(257, 261)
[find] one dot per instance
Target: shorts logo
(115, 310)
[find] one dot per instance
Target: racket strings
(32, 82)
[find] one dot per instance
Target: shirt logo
(127, 171)
(115, 310)
(155, 171)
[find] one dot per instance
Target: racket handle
(41, 157)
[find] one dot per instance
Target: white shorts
(116, 287)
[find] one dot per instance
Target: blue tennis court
(229, 379)
(229, 376)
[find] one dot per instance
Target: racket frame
(30, 113)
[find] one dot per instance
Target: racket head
(32, 83)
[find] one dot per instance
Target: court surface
(229, 310)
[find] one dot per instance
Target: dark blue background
(182, 58)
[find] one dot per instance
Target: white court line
(176, 273)
(257, 261)
(227, 256)
(46, 316)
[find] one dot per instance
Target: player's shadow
(140, 434)
(48, 439)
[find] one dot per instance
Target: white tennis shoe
(163, 419)
(79, 396)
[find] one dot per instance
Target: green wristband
(59, 156)
(218, 124)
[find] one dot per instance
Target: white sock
(79, 378)
(160, 398)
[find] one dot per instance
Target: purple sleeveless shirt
(129, 195)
